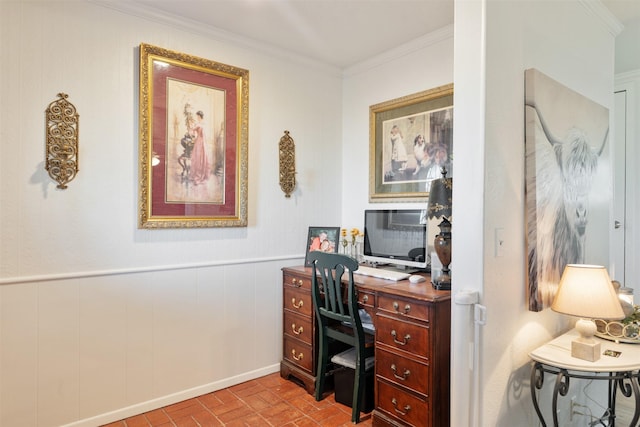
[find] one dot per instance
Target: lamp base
(442, 282)
(585, 347)
(585, 350)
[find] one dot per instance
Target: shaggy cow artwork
(568, 184)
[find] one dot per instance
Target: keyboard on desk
(381, 273)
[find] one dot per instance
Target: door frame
(625, 204)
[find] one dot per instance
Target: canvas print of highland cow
(568, 184)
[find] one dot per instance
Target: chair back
(335, 304)
(332, 299)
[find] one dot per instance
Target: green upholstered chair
(336, 308)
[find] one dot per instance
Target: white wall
(467, 229)
(95, 314)
(628, 49)
(572, 44)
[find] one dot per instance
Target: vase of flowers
(343, 242)
(356, 244)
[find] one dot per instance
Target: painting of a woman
(199, 160)
(195, 157)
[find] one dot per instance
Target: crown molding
(628, 76)
(432, 38)
(151, 14)
(613, 25)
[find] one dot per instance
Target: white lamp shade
(586, 291)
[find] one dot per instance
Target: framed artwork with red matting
(193, 141)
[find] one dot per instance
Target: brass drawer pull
(402, 377)
(365, 298)
(394, 334)
(299, 357)
(296, 283)
(296, 331)
(396, 307)
(403, 411)
(298, 305)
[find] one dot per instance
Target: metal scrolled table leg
(613, 391)
(561, 387)
(628, 390)
(537, 379)
(636, 393)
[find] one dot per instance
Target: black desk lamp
(440, 207)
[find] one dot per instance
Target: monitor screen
(396, 236)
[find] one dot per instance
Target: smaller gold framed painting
(193, 141)
(411, 141)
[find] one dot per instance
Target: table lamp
(586, 291)
(439, 206)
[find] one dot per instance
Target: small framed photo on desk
(323, 239)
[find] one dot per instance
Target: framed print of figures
(323, 239)
(568, 184)
(193, 142)
(411, 140)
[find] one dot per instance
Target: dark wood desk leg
(561, 387)
(537, 379)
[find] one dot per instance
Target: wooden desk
(621, 372)
(413, 341)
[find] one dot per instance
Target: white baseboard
(170, 399)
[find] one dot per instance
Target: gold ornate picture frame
(411, 139)
(193, 141)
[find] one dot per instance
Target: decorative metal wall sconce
(287, 151)
(61, 127)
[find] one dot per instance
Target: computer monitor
(396, 236)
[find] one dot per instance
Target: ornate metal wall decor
(61, 156)
(287, 154)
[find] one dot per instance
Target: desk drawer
(405, 308)
(366, 299)
(401, 405)
(406, 336)
(403, 371)
(297, 282)
(297, 326)
(298, 353)
(298, 301)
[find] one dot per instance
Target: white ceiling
(336, 32)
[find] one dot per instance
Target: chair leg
(358, 390)
(321, 371)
